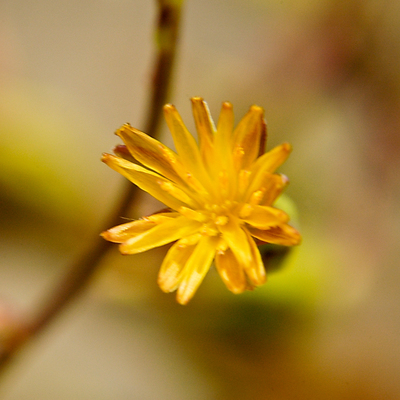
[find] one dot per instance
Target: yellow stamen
(209, 229)
(214, 208)
(245, 211)
(223, 179)
(256, 197)
(221, 220)
(238, 154)
(222, 246)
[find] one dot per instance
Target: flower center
(212, 216)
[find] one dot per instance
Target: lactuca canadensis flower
(219, 195)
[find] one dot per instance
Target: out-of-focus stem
(166, 40)
(79, 273)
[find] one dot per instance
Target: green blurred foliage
(35, 175)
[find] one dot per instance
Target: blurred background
(326, 325)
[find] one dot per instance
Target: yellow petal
(222, 165)
(171, 271)
(154, 155)
(271, 185)
(236, 239)
(205, 128)
(193, 214)
(284, 235)
(248, 134)
(256, 270)
(149, 152)
(186, 146)
(263, 217)
(176, 191)
(230, 271)
(196, 268)
(273, 188)
(271, 160)
(121, 233)
(223, 139)
(147, 180)
(164, 233)
(122, 151)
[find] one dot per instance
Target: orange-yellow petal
(247, 135)
(149, 152)
(230, 271)
(263, 217)
(172, 268)
(223, 136)
(196, 268)
(205, 128)
(186, 146)
(284, 235)
(164, 233)
(256, 270)
(158, 157)
(273, 188)
(147, 180)
(121, 233)
(271, 160)
(236, 239)
(223, 140)
(122, 151)
(271, 185)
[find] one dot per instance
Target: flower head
(219, 193)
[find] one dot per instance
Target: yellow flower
(219, 195)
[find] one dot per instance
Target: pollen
(256, 197)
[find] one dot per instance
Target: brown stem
(80, 272)
(166, 37)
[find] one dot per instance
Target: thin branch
(80, 272)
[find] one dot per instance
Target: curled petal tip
(169, 108)
(108, 235)
(124, 250)
(226, 105)
(125, 126)
(297, 238)
(119, 131)
(122, 151)
(285, 179)
(183, 300)
(237, 290)
(105, 157)
(257, 109)
(287, 147)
